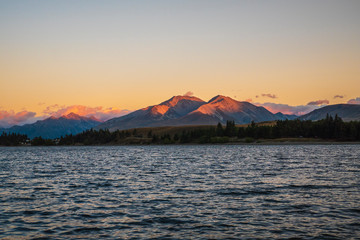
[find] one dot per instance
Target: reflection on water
(180, 192)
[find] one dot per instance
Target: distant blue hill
(52, 127)
(281, 116)
(348, 112)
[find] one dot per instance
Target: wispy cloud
(319, 102)
(100, 113)
(293, 110)
(50, 110)
(338, 96)
(354, 101)
(269, 95)
(10, 118)
(287, 109)
(189, 94)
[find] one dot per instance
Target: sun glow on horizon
(129, 55)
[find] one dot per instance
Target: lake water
(180, 192)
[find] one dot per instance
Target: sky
(107, 58)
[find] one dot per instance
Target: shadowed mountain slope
(348, 112)
(55, 127)
(184, 110)
(157, 115)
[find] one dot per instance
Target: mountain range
(348, 112)
(187, 110)
(178, 111)
(53, 127)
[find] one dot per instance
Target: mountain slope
(156, 115)
(55, 127)
(222, 109)
(281, 116)
(348, 112)
(183, 110)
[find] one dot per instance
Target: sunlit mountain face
(187, 110)
(225, 108)
(348, 112)
(175, 107)
(177, 111)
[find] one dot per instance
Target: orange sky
(128, 55)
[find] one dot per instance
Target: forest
(330, 128)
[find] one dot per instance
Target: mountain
(282, 116)
(221, 109)
(157, 115)
(348, 112)
(185, 110)
(53, 127)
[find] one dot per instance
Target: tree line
(330, 128)
(13, 139)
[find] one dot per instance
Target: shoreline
(261, 143)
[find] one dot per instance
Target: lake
(180, 192)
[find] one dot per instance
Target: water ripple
(180, 192)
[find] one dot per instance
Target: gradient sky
(131, 54)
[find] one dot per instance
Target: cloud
(287, 109)
(248, 100)
(338, 96)
(354, 101)
(268, 95)
(319, 102)
(50, 110)
(100, 113)
(189, 94)
(10, 118)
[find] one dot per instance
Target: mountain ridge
(177, 111)
(186, 110)
(220, 108)
(156, 115)
(55, 127)
(348, 112)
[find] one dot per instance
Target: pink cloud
(189, 94)
(287, 109)
(10, 118)
(49, 110)
(354, 101)
(268, 95)
(100, 113)
(319, 102)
